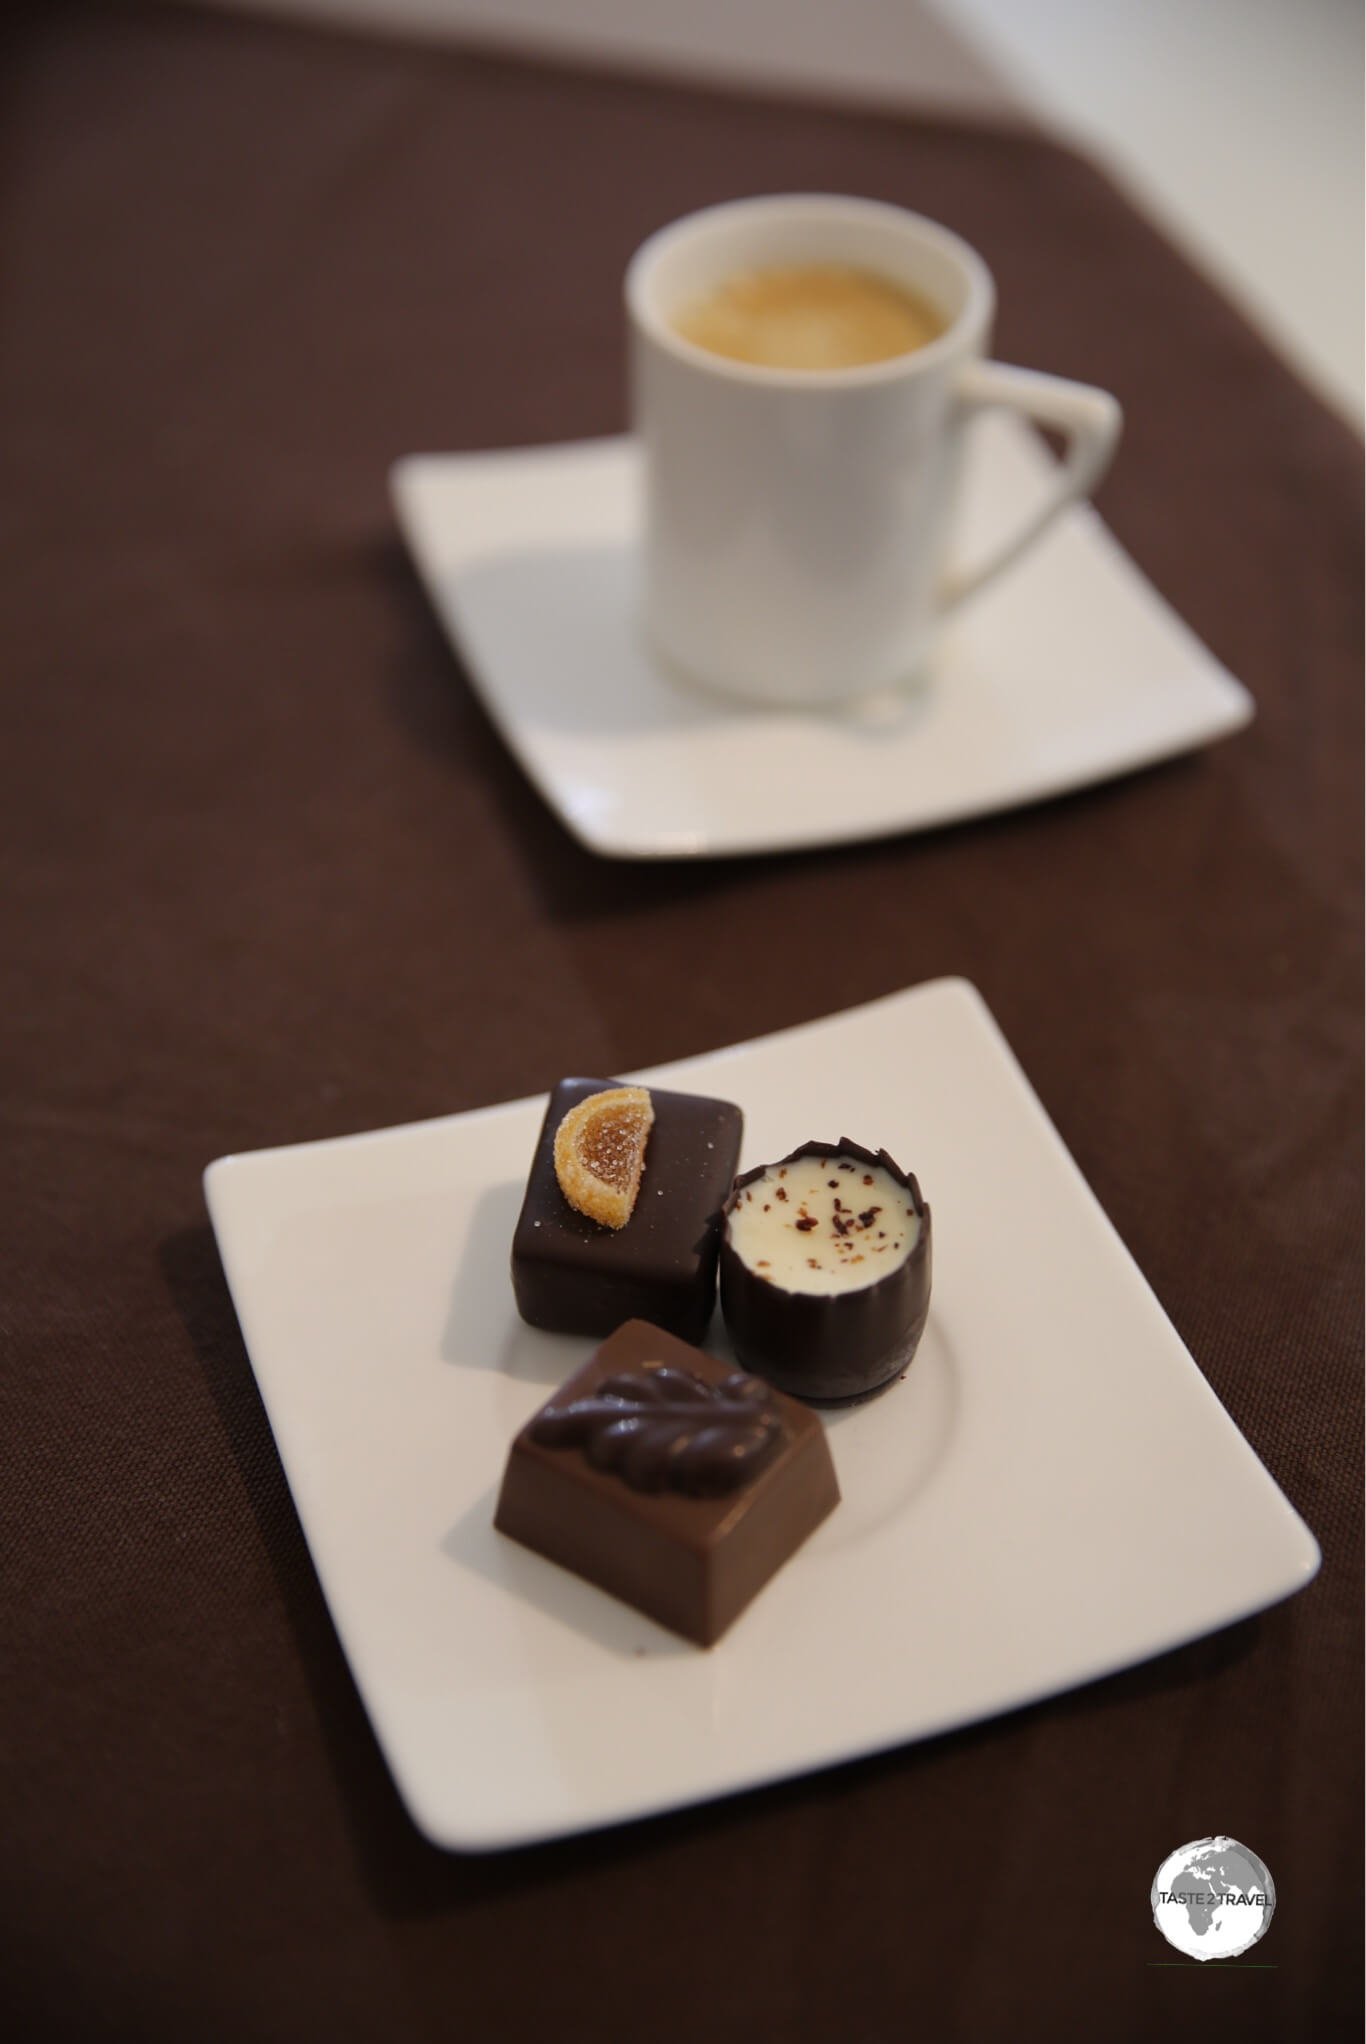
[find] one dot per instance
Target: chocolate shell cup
(828, 1347)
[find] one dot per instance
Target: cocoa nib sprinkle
(779, 1192)
(805, 1222)
(868, 1216)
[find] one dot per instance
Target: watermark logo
(1213, 1899)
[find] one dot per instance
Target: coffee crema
(809, 316)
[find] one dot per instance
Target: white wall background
(1237, 123)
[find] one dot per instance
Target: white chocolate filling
(823, 1224)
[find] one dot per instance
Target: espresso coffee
(809, 316)
(795, 521)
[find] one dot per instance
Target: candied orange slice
(600, 1153)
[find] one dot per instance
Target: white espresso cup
(797, 521)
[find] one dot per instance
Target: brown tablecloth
(270, 875)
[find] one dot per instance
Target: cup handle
(1088, 418)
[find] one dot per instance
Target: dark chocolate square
(691, 1562)
(573, 1276)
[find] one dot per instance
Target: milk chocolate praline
(690, 1554)
(828, 1348)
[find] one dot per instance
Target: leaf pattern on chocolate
(661, 1428)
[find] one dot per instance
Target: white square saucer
(1070, 670)
(1016, 1514)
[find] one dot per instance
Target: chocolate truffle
(572, 1275)
(825, 1270)
(669, 1479)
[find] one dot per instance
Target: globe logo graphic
(1213, 1899)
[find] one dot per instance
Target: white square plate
(1069, 670)
(1016, 1512)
